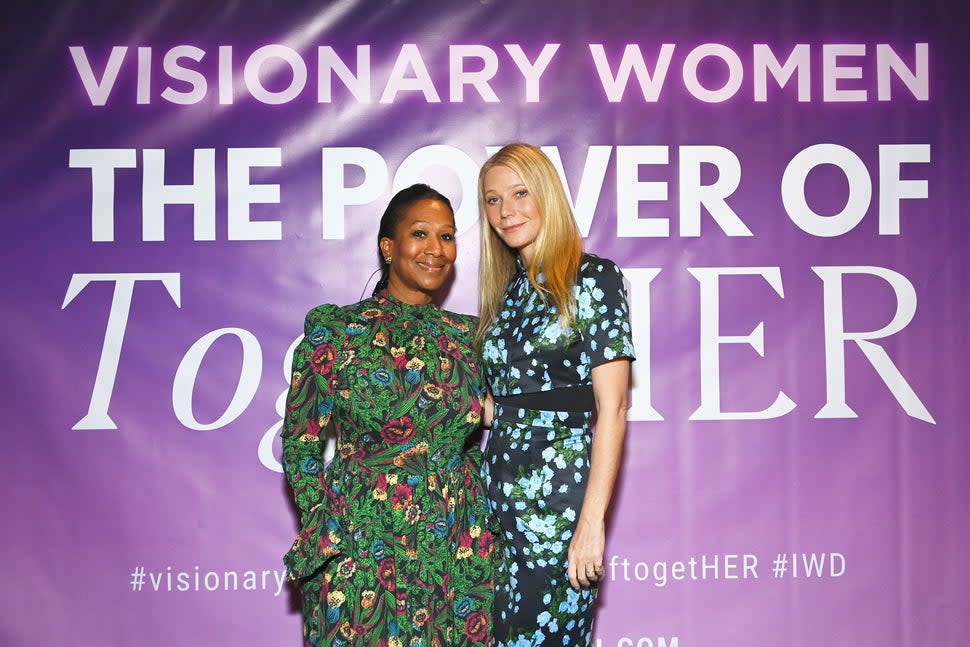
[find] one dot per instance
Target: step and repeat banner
(783, 185)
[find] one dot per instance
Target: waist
(574, 399)
(541, 418)
(420, 458)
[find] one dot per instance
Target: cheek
(493, 216)
(406, 248)
(530, 208)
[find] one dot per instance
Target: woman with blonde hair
(555, 337)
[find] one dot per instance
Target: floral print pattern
(396, 547)
(529, 350)
(537, 462)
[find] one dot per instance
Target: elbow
(613, 410)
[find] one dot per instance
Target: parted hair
(396, 208)
(558, 247)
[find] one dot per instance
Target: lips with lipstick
(433, 266)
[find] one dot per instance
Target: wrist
(592, 518)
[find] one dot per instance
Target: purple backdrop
(782, 183)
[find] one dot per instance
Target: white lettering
(832, 72)
(892, 188)
(410, 58)
(711, 340)
(798, 62)
(102, 162)
(532, 72)
(359, 84)
(226, 80)
(918, 81)
(614, 85)
(734, 67)
(630, 192)
(275, 54)
(201, 194)
(836, 337)
(98, 91)
(188, 371)
(97, 416)
(460, 77)
(694, 195)
(796, 203)
(337, 195)
(241, 194)
(194, 78)
(143, 92)
(641, 407)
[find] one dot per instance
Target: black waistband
(572, 398)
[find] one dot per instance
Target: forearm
(586, 549)
(302, 463)
(301, 433)
(610, 384)
(605, 460)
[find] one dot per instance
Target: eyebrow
(428, 222)
(510, 186)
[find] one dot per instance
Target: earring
(387, 259)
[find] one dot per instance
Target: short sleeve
(603, 314)
(309, 403)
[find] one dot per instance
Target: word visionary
(711, 73)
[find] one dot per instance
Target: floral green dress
(395, 547)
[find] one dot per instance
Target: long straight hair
(558, 247)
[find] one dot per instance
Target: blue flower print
(537, 462)
(319, 335)
(310, 465)
(381, 377)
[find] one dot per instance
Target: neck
(411, 297)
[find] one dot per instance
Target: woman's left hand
(585, 556)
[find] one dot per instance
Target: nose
(506, 209)
(433, 246)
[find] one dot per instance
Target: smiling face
(422, 252)
(511, 211)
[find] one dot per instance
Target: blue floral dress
(395, 548)
(537, 460)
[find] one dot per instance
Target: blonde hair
(558, 247)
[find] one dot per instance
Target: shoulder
(595, 271)
(324, 323)
(325, 314)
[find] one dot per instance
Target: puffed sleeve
(309, 404)
(603, 313)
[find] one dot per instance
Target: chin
(517, 242)
(432, 288)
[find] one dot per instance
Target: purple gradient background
(83, 508)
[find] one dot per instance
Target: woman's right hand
(488, 410)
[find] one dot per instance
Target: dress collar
(394, 305)
(523, 272)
